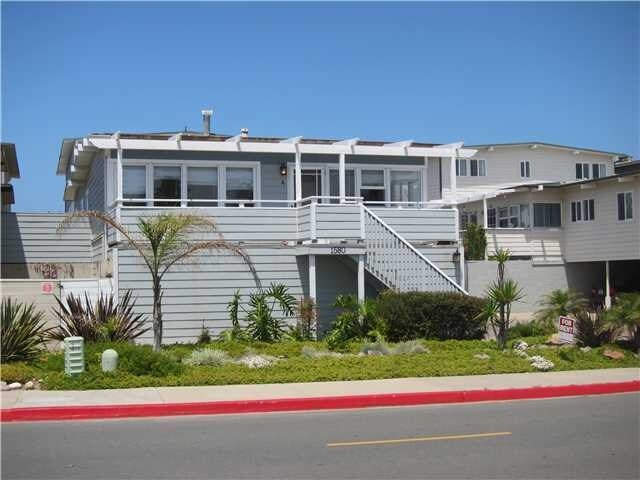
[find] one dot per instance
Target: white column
(485, 214)
(462, 268)
(607, 291)
(298, 174)
(360, 278)
(453, 179)
(312, 277)
(425, 179)
(342, 177)
(119, 175)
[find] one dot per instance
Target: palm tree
(625, 315)
(501, 295)
(163, 241)
(559, 303)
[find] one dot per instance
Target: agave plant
(593, 330)
(107, 320)
(23, 331)
(501, 296)
(558, 303)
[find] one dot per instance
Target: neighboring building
(324, 217)
(8, 171)
(567, 228)
(628, 166)
(36, 260)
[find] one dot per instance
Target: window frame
(582, 166)
(525, 169)
(582, 210)
(602, 170)
(461, 162)
(533, 215)
(221, 165)
(626, 218)
(481, 167)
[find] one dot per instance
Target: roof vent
(244, 132)
(206, 121)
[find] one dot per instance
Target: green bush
(429, 315)
(356, 321)
(18, 372)
(135, 359)
(475, 242)
(529, 329)
(592, 329)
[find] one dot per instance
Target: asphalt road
(585, 437)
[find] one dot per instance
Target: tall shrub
(431, 315)
(23, 331)
(475, 242)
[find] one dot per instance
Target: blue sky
(482, 73)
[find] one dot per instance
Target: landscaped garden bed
(141, 367)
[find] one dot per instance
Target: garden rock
(3, 386)
(555, 340)
(257, 361)
(481, 356)
(522, 354)
(14, 386)
(29, 385)
(585, 349)
(613, 354)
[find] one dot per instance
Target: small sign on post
(566, 329)
(46, 288)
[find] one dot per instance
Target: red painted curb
(85, 412)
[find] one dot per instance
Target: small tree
(475, 242)
(162, 241)
(559, 303)
(625, 316)
(501, 294)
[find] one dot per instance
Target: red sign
(46, 288)
(566, 328)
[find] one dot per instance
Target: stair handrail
(411, 247)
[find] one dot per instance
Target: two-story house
(561, 210)
(323, 217)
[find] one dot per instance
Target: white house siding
(604, 238)
(547, 164)
(434, 166)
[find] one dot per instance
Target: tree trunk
(157, 315)
(502, 331)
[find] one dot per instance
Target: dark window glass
(239, 185)
(573, 212)
(596, 170)
(546, 215)
(134, 184)
(166, 184)
(592, 208)
(202, 184)
(491, 217)
(349, 184)
(578, 170)
(621, 206)
(474, 168)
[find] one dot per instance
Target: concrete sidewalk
(229, 393)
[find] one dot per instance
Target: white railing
(396, 263)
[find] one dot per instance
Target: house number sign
(338, 250)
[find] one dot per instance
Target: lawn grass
(445, 358)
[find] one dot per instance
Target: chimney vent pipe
(244, 132)
(206, 121)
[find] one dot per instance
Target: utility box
(73, 355)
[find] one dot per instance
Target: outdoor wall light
(456, 256)
(283, 169)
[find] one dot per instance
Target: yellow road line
(418, 439)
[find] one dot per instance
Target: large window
(461, 167)
(405, 186)
(491, 218)
(334, 184)
(546, 215)
(134, 184)
(525, 169)
(513, 216)
(582, 171)
(202, 184)
(166, 185)
(599, 170)
(583, 210)
(625, 206)
(239, 184)
(478, 168)
(372, 185)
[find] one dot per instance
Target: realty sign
(567, 329)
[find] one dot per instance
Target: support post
(360, 278)
(342, 175)
(607, 291)
(312, 277)
(298, 174)
(485, 214)
(119, 175)
(453, 180)
(463, 278)
(425, 180)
